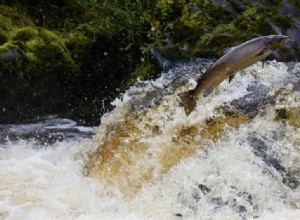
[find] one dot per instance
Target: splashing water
(235, 157)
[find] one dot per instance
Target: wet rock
(246, 196)
(289, 115)
(178, 215)
(237, 201)
(251, 103)
(45, 132)
(15, 55)
(296, 86)
(291, 182)
(196, 196)
(204, 189)
(261, 148)
(241, 210)
(218, 202)
(165, 64)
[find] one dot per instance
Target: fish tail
(188, 100)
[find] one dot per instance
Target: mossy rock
(289, 115)
(3, 38)
(42, 45)
(25, 34)
(36, 67)
(206, 27)
(94, 47)
(147, 69)
(79, 40)
(15, 18)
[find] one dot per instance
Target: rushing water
(235, 157)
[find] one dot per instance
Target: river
(236, 157)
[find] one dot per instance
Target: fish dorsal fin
(224, 51)
(208, 68)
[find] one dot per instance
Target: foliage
(87, 49)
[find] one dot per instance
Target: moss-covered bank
(72, 68)
(72, 58)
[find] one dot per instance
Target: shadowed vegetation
(73, 58)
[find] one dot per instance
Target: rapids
(235, 157)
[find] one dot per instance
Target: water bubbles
(202, 166)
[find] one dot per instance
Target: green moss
(84, 40)
(44, 71)
(5, 27)
(14, 17)
(281, 21)
(253, 20)
(39, 43)
(32, 57)
(140, 72)
(86, 29)
(25, 34)
(3, 38)
(77, 43)
(50, 37)
(7, 46)
(173, 52)
(148, 69)
(204, 28)
(5, 24)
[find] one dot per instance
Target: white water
(38, 182)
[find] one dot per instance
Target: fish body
(235, 59)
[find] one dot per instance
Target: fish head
(275, 41)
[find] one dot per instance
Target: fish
(234, 60)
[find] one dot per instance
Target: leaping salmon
(235, 59)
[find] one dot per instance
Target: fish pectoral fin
(264, 51)
(230, 78)
(260, 53)
(207, 92)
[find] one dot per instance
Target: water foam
(222, 179)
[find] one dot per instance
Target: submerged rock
(15, 55)
(251, 103)
(289, 115)
(264, 151)
(44, 132)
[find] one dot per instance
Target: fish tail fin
(188, 100)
